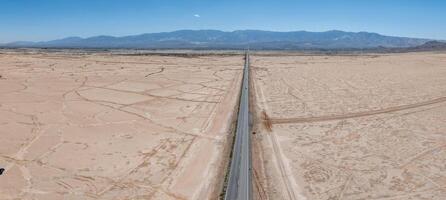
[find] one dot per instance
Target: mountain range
(241, 39)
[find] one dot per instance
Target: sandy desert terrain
(350, 127)
(100, 126)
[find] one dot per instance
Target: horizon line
(227, 31)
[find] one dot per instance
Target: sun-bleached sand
(101, 126)
(350, 127)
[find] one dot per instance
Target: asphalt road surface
(239, 185)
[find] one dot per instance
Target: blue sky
(36, 20)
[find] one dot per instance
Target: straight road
(239, 184)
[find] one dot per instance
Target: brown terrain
(101, 126)
(112, 126)
(350, 127)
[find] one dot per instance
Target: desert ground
(350, 126)
(102, 126)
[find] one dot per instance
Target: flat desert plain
(100, 126)
(350, 127)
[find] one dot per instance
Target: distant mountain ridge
(241, 39)
(431, 45)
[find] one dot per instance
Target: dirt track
(358, 114)
(115, 127)
(351, 127)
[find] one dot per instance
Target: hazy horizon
(75, 36)
(27, 20)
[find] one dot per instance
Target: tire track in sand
(278, 155)
(357, 114)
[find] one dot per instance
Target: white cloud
(197, 15)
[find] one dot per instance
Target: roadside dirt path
(100, 126)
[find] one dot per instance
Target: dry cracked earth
(100, 126)
(103, 126)
(351, 127)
